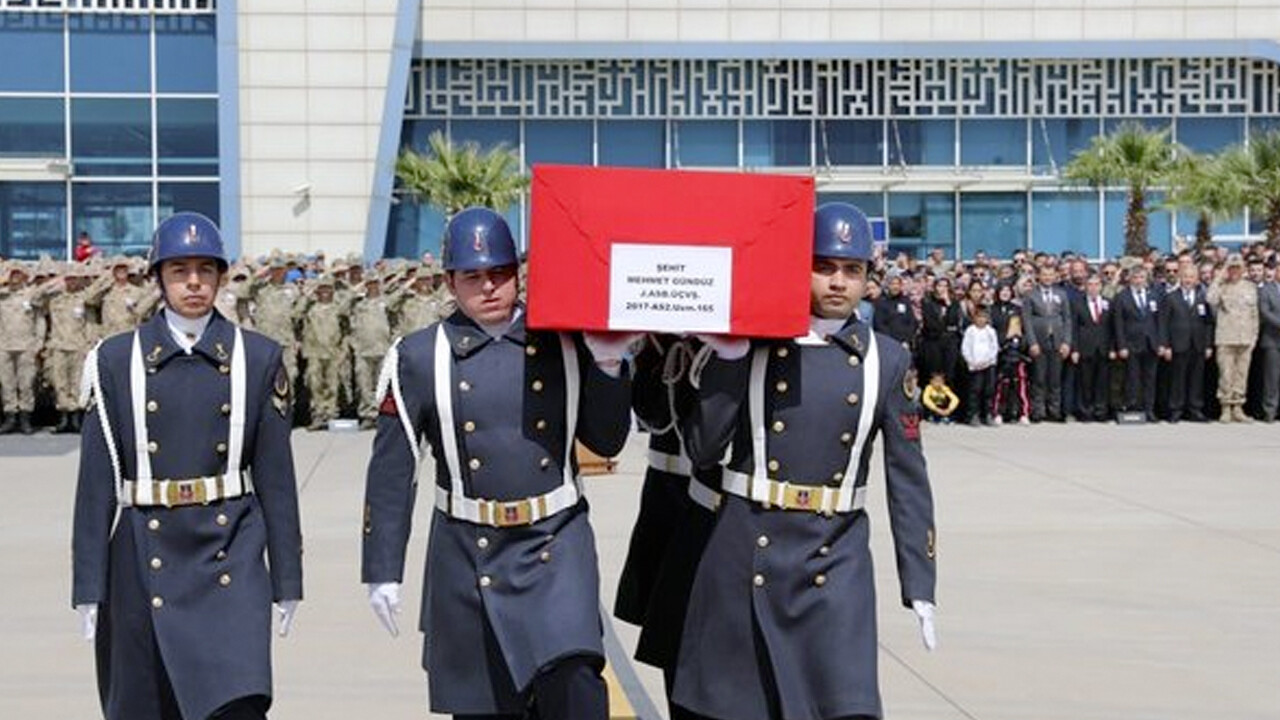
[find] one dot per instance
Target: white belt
(187, 491)
(703, 495)
(790, 496)
(668, 463)
(507, 513)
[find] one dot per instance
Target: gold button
(221, 519)
(157, 602)
(854, 361)
(783, 352)
(773, 465)
(825, 550)
(224, 579)
(224, 369)
(474, 464)
(846, 438)
(819, 579)
(758, 581)
(541, 425)
(852, 398)
(153, 447)
(485, 581)
(221, 448)
(464, 386)
(779, 426)
(156, 563)
(152, 406)
(837, 476)
(226, 408)
(545, 556)
(220, 555)
(482, 543)
(469, 426)
(545, 462)
(537, 386)
(530, 350)
(153, 524)
(763, 541)
(781, 386)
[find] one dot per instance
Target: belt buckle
(185, 492)
(511, 514)
(801, 497)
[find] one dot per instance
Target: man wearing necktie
(1137, 340)
(1184, 321)
(1269, 342)
(1093, 350)
(1047, 322)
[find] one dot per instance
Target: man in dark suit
(1094, 350)
(1046, 320)
(1269, 342)
(1137, 337)
(187, 436)
(894, 314)
(1184, 321)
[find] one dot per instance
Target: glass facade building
(108, 122)
(959, 154)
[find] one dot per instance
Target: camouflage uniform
(126, 305)
(322, 346)
(233, 297)
(71, 335)
(369, 339)
(22, 331)
(1235, 309)
(274, 315)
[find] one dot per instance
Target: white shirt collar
(497, 330)
(186, 331)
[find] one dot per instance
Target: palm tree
(1199, 183)
(452, 177)
(1135, 157)
(1255, 168)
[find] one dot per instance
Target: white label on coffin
(671, 288)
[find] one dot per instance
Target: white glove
(725, 347)
(611, 346)
(287, 609)
(924, 612)
(385, 600)
(88, 620)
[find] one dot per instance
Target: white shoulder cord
(91, 386)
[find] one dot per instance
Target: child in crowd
(939, 400)
(1011, 388)
(980, 349)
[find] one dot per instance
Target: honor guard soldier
(510, 606)
(781, 621)
(186, 517)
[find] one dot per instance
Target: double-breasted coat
(781, 620)
(185, 592)
(499, 603)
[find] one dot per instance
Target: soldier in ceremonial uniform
(187, 436)
(510, 603)
(781, 622)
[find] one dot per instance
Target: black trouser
(1140, 381)
(1095, 386)
(982, 387)
(571, 689)
(1270, 382)
(1046, 382)
(1186, 384)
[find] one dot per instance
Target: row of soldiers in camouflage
(336, 325)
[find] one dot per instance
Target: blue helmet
(841, 230)
(478, 238)
(186, 235)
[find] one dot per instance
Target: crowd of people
(335, 320)
(1187, 336)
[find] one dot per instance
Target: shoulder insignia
(280, 392)
(154, 355)
(388, 406)
(910, 426)
(911, 384)
(220, 351)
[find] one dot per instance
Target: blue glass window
(870, 203)
(705, 143)
(1185, 226)
(1151, 123)
(186, 54)
(111, 136)
(30, 52)
(994, 222)
(117, 215)
(851, 142)
(632, 143)
(1054, 142)
(201, 197)
(110, 53)
(921, 221)
(1259, 125)
(567, 142)
(776, 143)
(488, 134)
(1065, 221)
(993, 142)
(1208, 135)
(414, 229)
(1159, 223)
(187, 137)
(33, 127)
(921, 142)
(33, 219)
(414, 133)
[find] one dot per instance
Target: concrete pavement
(1090, 572)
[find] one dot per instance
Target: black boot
(10, 422)
(64, 424)
(24, 423)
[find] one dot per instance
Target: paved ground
(1086, 572)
